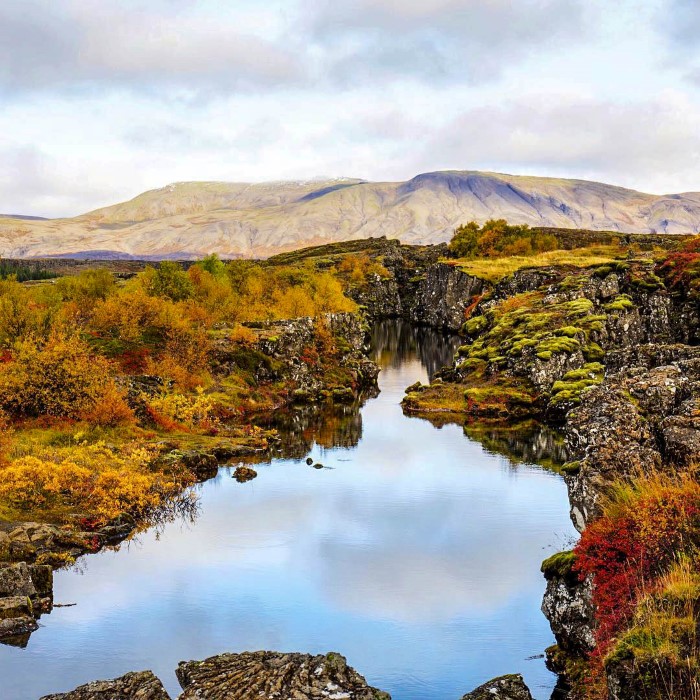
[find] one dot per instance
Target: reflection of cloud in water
(411, 555)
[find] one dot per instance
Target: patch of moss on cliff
(559, 565)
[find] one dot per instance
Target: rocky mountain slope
(190, 219)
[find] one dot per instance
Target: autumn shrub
(497, 238)
(644, 529)
(167, 280)
(95, 479)
(109, 408)
(357, 269)
(242, 335)
(194, 410)
(23, 313)
(60, 378)
(681, 269)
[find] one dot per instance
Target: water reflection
(395, 341)
(417, 556)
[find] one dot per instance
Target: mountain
(191, 219)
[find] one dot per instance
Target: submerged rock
(265, 674)
(511, 687)
(133, 686)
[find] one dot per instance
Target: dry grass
(495, 269)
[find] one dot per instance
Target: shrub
(642, 532)
(61, 378)
(497, 238)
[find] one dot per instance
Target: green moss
(622, 302)
(559, 565)
(578, 307)
(593, 352)
(570, 468)
(569, 331)
(558, 344)
(476, 325)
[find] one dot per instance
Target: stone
(242, 474)
(266, 674)
(511, 687)
(133, 686)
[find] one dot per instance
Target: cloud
(204, 48)
(641, 144)
(462, 40)
(59, 44)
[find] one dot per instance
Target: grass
(495, 269)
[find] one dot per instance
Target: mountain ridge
(190, 219)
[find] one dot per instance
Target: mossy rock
(570, 468)
(559, 565)
(622, 302)
(475, 325)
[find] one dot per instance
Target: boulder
(133, 686)
(511, 687)
(266, 674)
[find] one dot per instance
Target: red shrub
(628, 549)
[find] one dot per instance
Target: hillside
(189, 219)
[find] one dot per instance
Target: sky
(103, 99)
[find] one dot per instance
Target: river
(415, 553)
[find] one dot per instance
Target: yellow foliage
(190, 410)
(61, 378)
(95, 478)
(242, 335)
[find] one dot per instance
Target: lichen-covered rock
(264, 674)
(567, 604)
(511, 687)
(133, 686)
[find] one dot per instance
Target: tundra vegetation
(102, 378)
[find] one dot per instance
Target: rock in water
(243, 474)
(266, 674)
(510, 687)
(132, 686)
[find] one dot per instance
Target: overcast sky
(102, 99)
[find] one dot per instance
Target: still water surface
(415, 554)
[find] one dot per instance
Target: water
(416, 555)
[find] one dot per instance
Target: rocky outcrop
(26, 591)
(567, 605)
(133, 686)
(245, 676)
(636, 420)
(511, 687)
(287, 342)
(442, 295)
(252, 675)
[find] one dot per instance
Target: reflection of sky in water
(417, 556)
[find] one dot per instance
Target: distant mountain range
(191, 219)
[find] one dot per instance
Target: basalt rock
(26, 591)
(442, 295)
(133, 686)
(568, 606)
(638, 420)
(286, 343)
(511, 687)
(264, 674)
